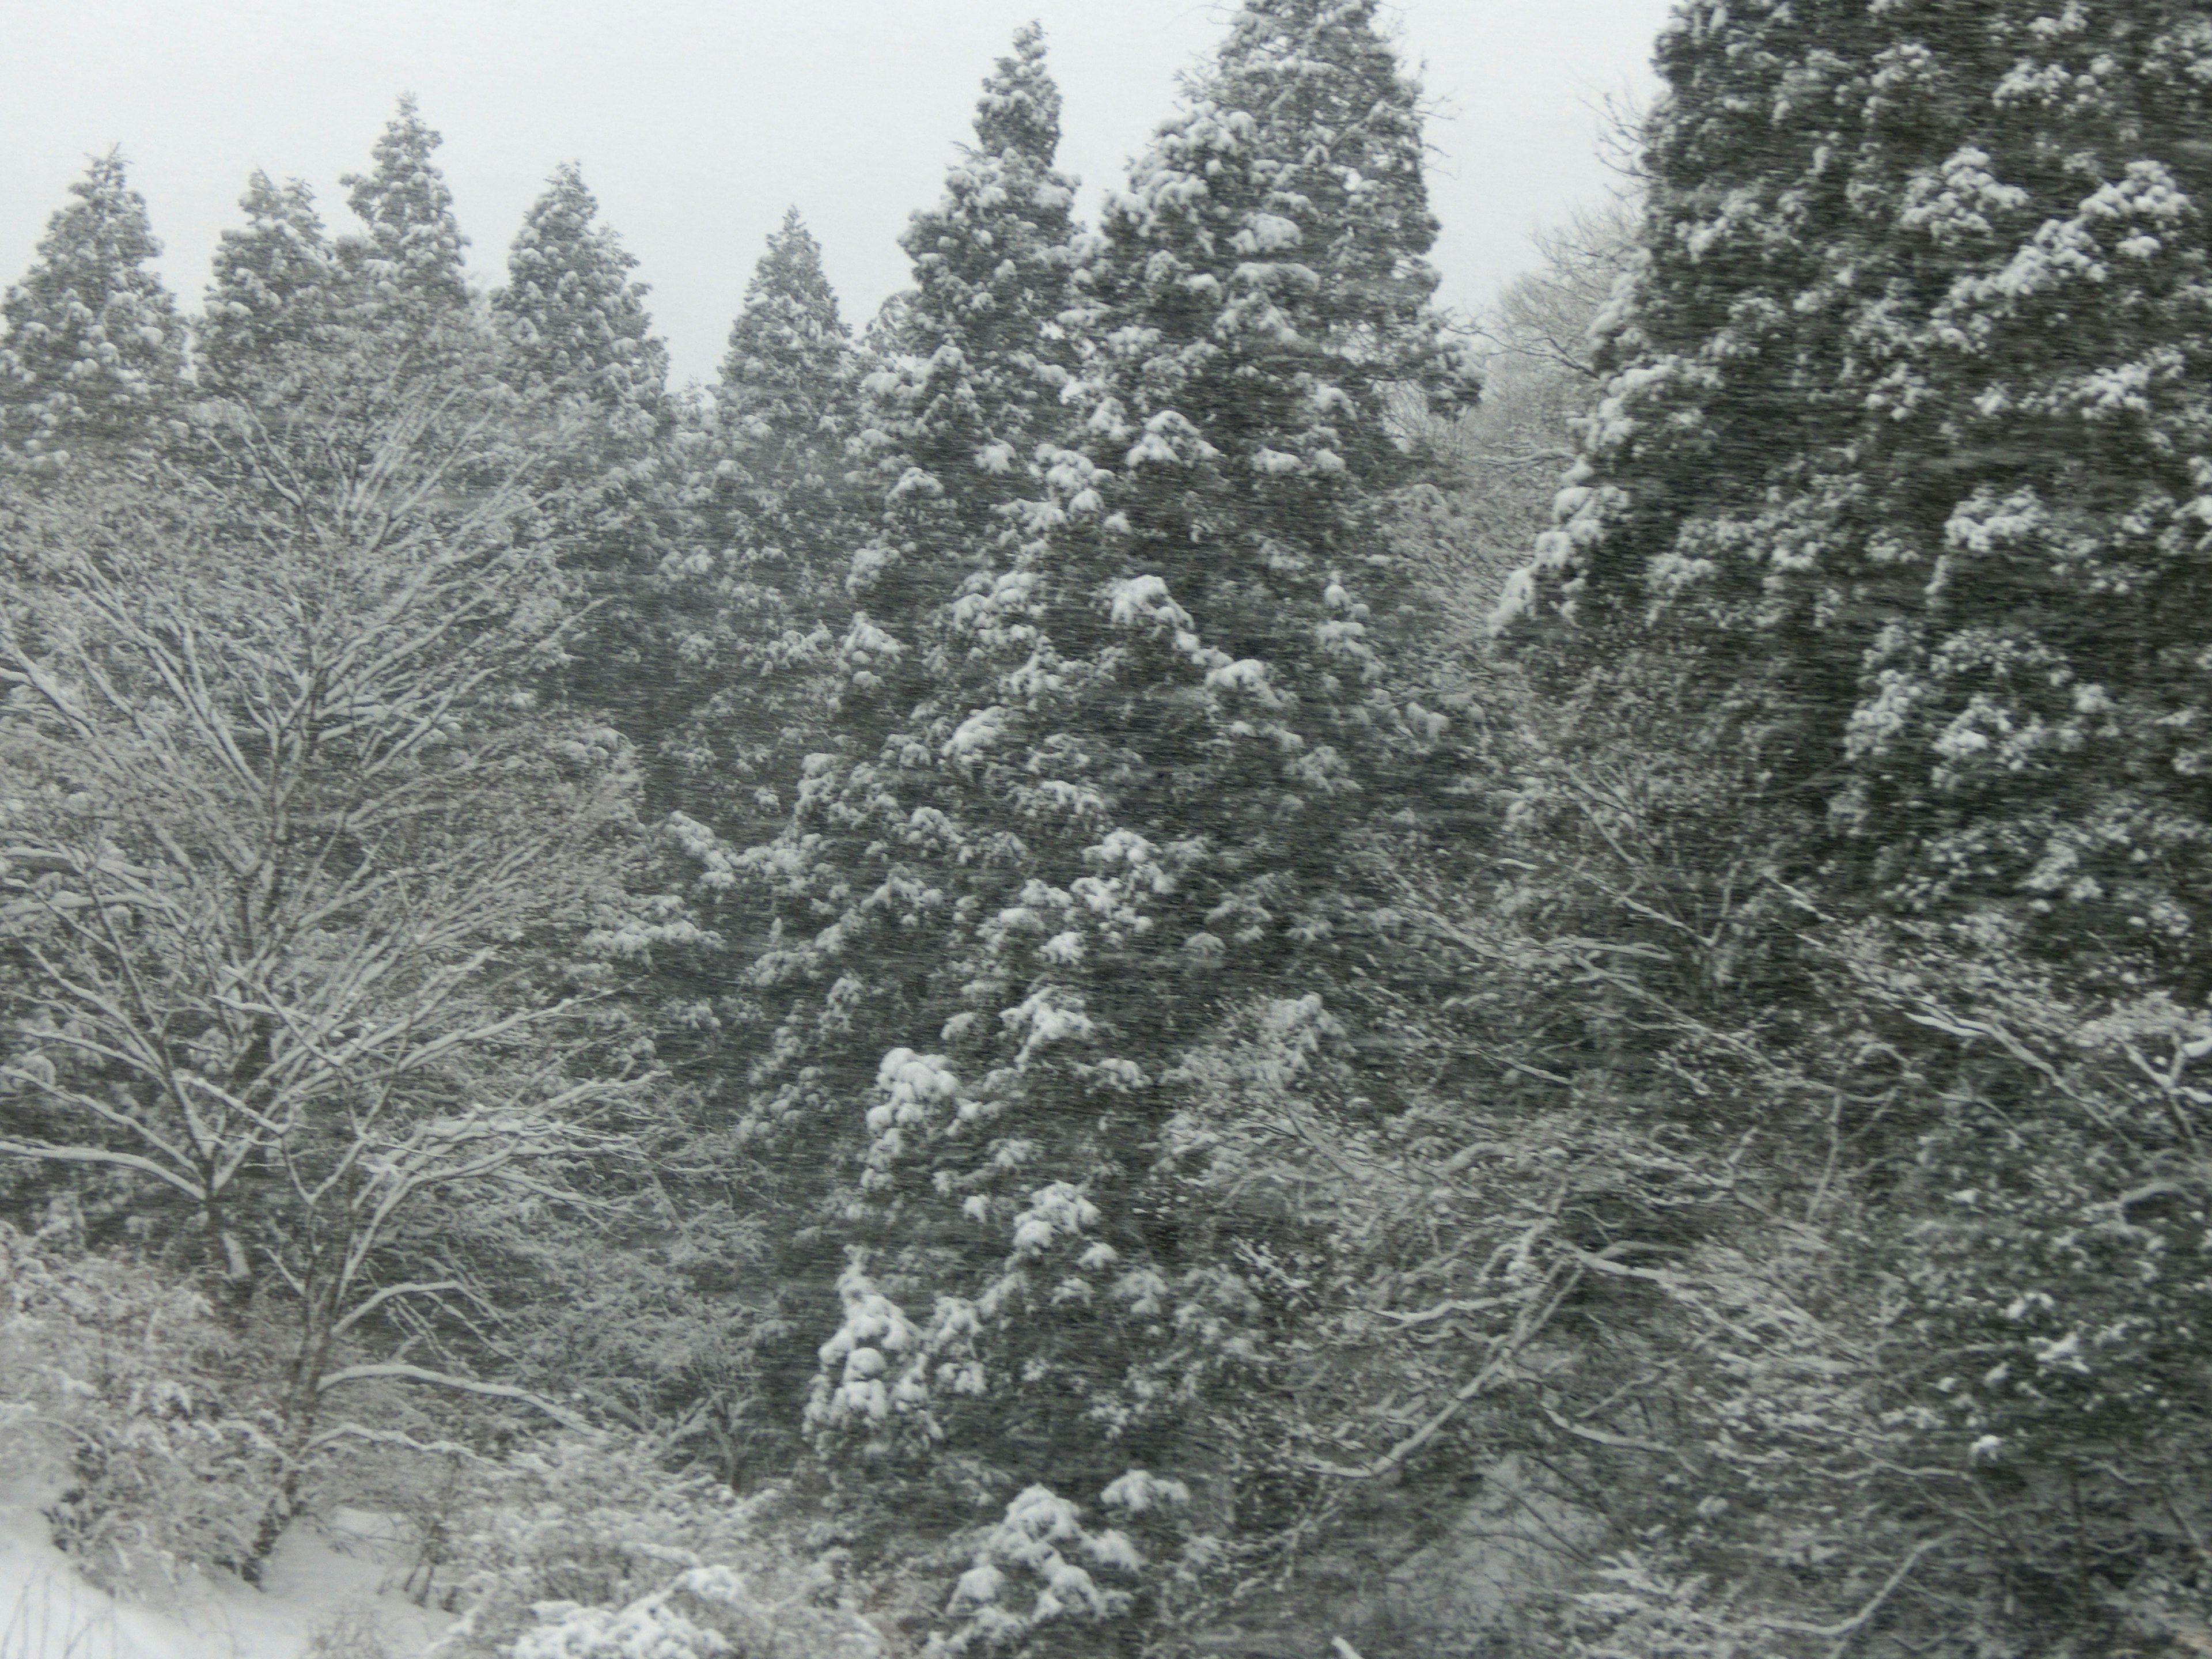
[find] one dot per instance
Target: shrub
(117, 1383)
(589, 1549)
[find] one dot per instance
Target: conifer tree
(973, 362)
(1153, 726)
(763, 583)
(94, 346)
(1907, 440)
(271, 294)
(580, 343)
(575, 314)
(784, 399)
(980, 359)
(406, 270)
(355, 384)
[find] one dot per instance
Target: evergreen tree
(576, 316)
(580, 345)
(272, 293)
(355, 387)
(94, 346)
(974, 361)
(973, 389)
(406, 271)
(1154, 726)
(1906, 442)
(762, 587)
(784, 402)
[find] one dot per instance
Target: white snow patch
(345, 1569)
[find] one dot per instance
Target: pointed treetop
(1310, 95)
(1004, 223)
(790, 273)
(1278, 230)
(577, 318)
(413, 237)
(92, 340)
(971, 379)
(270, 279)
(1019, 109)
(788, 338)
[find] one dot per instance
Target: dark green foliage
(1911, 409)
(1690, 1144)
(407, 271)
(577, 317)
(578, 346)
(978, 358)
(272, 295)
(758, 595)
(1154, 716)
(92, 349)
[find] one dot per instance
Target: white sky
(698, 121)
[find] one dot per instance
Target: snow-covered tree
(92, 347)
(577, 316)
(785, 374)
(337, 371)
(783, 408)
(967, 394)
(272, 295)
(1907, 434)
(760, 587)
(976, 359)
(1466, 533)
(581, 343)
(308, 925)
(1154, 724)
(406, 271)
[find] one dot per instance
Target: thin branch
(560, 1414)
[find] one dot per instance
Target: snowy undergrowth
(588, 1548)
(119, 1387)
(326, 1598)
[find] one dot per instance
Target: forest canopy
(1164, 953)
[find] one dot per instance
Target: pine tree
(784, 399)
(576, 316)
(271, 294)
(1908, 440)
(983, 360)
(1133, 794)
(94, 346)
(763, 584)
(406, 271)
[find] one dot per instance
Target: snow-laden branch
(397, 1368)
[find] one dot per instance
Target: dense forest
(1168, 956)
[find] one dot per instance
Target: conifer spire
(1152, 720)
(972, 384)
(271, 288)
(1019, 110)
(411, 256)
(789, 352)
(763, 480)
(94, 344)
(576, 318)
(784, 413)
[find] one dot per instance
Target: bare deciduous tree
(306, 913)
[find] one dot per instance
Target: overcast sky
(698, 121)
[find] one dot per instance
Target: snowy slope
(326, 1581)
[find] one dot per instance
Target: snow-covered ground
(331, 1591)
